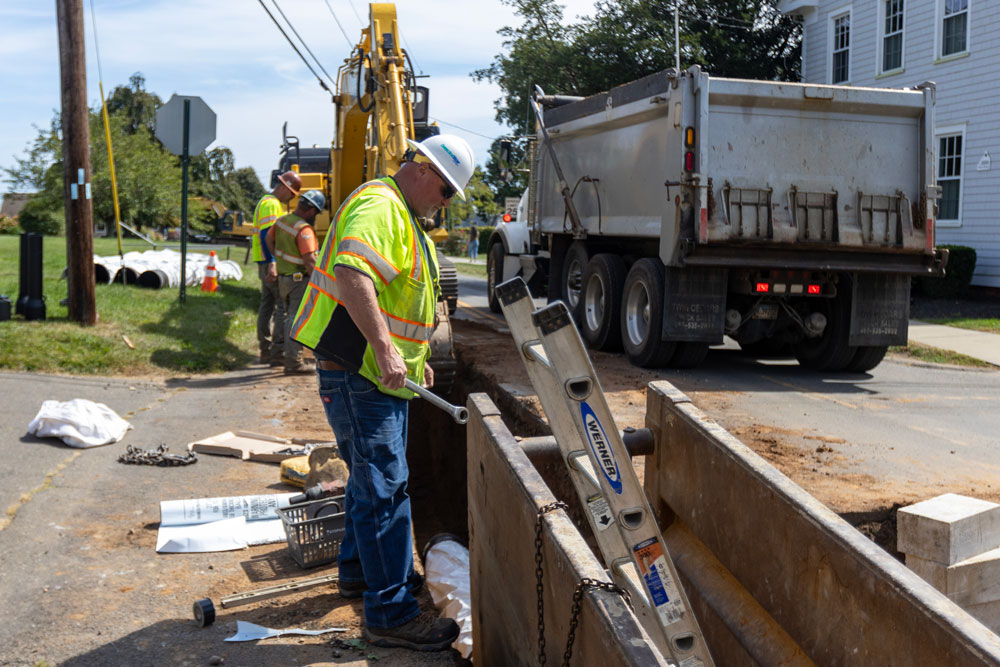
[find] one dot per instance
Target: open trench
(436, 454)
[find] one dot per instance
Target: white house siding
(968, 92)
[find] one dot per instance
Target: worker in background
(271, 338)
(292, 242)
(368, 313)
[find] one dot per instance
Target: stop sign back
(170, 125)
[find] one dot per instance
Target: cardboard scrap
(251, 446)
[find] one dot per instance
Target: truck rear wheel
(494, 275)
(600, 310)
(866, 358)
(571, 280)
(830, 351)
(642, 315)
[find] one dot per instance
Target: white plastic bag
(79, 423)
(446, 569)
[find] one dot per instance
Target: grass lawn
(938, 356)
(208, 333)
(989, 325)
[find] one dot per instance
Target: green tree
(628, 39)
(136, 104)
(148, 177)
(479, 200)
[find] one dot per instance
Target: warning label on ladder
(599, 509)
(663, 590)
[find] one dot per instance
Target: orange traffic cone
(210, 282)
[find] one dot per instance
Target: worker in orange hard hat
(271, 313)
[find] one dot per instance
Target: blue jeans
(371, 435)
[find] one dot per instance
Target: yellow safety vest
(267, 212)
(286, 250)
(375, 233)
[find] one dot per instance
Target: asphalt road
(915, 427)
(80, 581)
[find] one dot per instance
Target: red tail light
(814, 289)
(506, 217)
(762, 287)
(689, 161)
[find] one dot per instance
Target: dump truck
(679, 208)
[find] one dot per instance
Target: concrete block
(931, 571)
(948, 529)
(988, 614)
(974, 581)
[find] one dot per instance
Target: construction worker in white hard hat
(292, 242)
(368, 313)
(271, 322)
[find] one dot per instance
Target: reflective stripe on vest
(286, 249)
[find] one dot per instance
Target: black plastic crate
(314, 530)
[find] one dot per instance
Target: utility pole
(76, 163)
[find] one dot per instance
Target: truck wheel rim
(574, 283)
(637, 314)
(593, 303)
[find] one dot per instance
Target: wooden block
(948, 529)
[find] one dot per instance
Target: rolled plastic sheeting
(446, 571)
(163, 268)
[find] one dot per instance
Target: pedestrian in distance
(473, 243)
(292, 242)
(271, 313)
(368, 313)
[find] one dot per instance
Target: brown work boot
(264, 357)
(300, 369)
(277, 361)
(426, 632)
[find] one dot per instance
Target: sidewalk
(976, 344)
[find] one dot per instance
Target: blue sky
(230, 54)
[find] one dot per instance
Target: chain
(584, 584)
(156, 457)
(539, 586)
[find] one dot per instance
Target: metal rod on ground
(458, 413)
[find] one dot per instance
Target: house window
(955, 27)
(892, 40)
(950, 176)
(841, 48)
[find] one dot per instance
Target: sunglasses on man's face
(447, 192)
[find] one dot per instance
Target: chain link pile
(156, 457)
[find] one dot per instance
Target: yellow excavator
(377, 107)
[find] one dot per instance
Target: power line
(292, 44)
(358, 16)
(459, 127)
(278, 7)
(338, 24)
(407, 46)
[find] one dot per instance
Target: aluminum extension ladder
(617, 508)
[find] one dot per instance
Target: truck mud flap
(694, 304)
(880, 309)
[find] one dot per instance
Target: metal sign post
(185, 125)
(184, 197)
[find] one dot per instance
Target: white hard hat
(451, 155)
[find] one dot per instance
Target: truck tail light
(814, 289)
(506, 217)
(689, 161)
(762, 288)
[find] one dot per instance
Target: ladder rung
(580, 462)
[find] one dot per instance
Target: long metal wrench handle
(458, 413)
